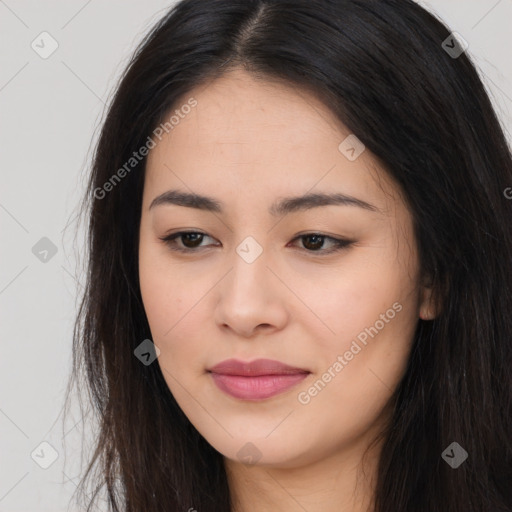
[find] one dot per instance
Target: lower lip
(256, 388)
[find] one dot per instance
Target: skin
(248, 143)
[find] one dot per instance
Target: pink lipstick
(256, 380)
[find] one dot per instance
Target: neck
(339, 482)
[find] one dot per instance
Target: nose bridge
(249, 296)
(250, 272)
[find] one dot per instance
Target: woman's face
(254, 286)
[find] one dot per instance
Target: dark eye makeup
(190, 241)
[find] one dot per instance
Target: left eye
(315, 242)
(191, 241)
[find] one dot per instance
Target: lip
(256, 380)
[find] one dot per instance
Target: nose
(251, 298)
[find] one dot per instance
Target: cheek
(374, 348)
(356, 298)
(159, 305)
(372, 310)
(166, 292)
(357, 378)
(169, 310)
(173, 303)
(163, 307)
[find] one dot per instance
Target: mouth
(256, 380)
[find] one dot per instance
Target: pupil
(188, 235)
(319, 240)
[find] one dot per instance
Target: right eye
(190, 241)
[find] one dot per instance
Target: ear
(429, 306)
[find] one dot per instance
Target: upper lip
(255, 368)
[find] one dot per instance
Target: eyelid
(169, 241)
(339, 243)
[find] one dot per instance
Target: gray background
(50, 113)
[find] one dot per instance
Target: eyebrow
(280, 207)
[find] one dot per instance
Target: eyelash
(339, 243)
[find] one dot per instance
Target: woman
(300, 279)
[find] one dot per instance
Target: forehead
(261, 139)
(238, 101)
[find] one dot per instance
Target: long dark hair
(385, 69)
